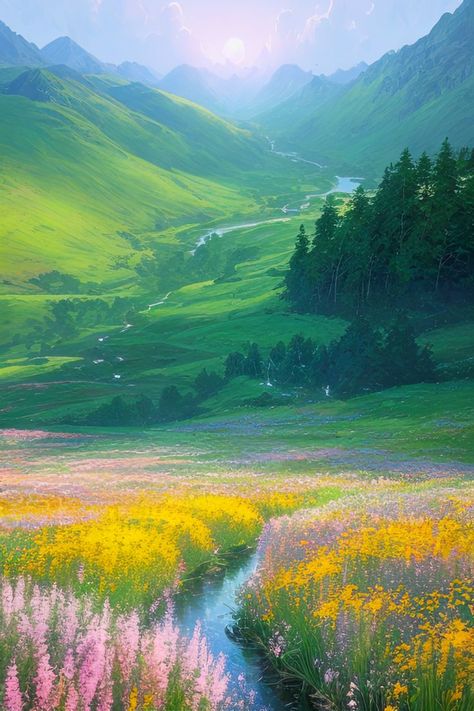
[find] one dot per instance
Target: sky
(320, 35)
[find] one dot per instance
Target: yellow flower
(133, 701)
(399, 690)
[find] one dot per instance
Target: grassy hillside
(106, 186)
(85, 161)
(415, 97)
(195, 327)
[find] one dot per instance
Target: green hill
(85, 160)
(414, 97)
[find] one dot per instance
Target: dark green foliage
(297, 281)
(172, 406)
(175, 406)
(57, 283)
(143, 412)
(207, 384)
(121, 413)
(234, 365)
(250, 364)
(364, 359)
(413, 242)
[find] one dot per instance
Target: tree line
(172, 405)
(363, 359)
(410, 243)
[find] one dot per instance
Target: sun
(234, 50)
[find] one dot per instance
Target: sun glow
(234, 50)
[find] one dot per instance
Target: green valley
(85, 162)
(236, 356)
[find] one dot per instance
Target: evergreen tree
(207, 384)
(234, 365)
(296, 280)
(411, 243)
(361, 258)
(145, 410)
(171, 404)
(356, 360)
(253, 362)
(326, 257)
(445, 213)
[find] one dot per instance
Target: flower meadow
(86, 596)
(128, 552)
(62, 652)
(363, 594)
(370, 605)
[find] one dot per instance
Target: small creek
(210, 601)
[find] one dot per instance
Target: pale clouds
(321, 35)
(342, 33)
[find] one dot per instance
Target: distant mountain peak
(286, 81)
(15, 50)
(133, 71)
(65, 50)
(291, 70)
(191, 83)
(345, 76)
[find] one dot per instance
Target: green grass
(432, 421)
(197, 327)
(22, 369)
(85, 166)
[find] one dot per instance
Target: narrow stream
(211, 601)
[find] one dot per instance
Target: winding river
(344, 185)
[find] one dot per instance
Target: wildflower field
(369, 604)
(362, 596)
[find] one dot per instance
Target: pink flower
(91, 652)
(68, 666)
(13, 700)
(44, 682)
(128, 643)
(7, 600)
(205, 675)
(72, 700)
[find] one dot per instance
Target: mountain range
(237, 96)
(16, 51)
(414, 97)
(355, 120)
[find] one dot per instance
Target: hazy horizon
(321, 37)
